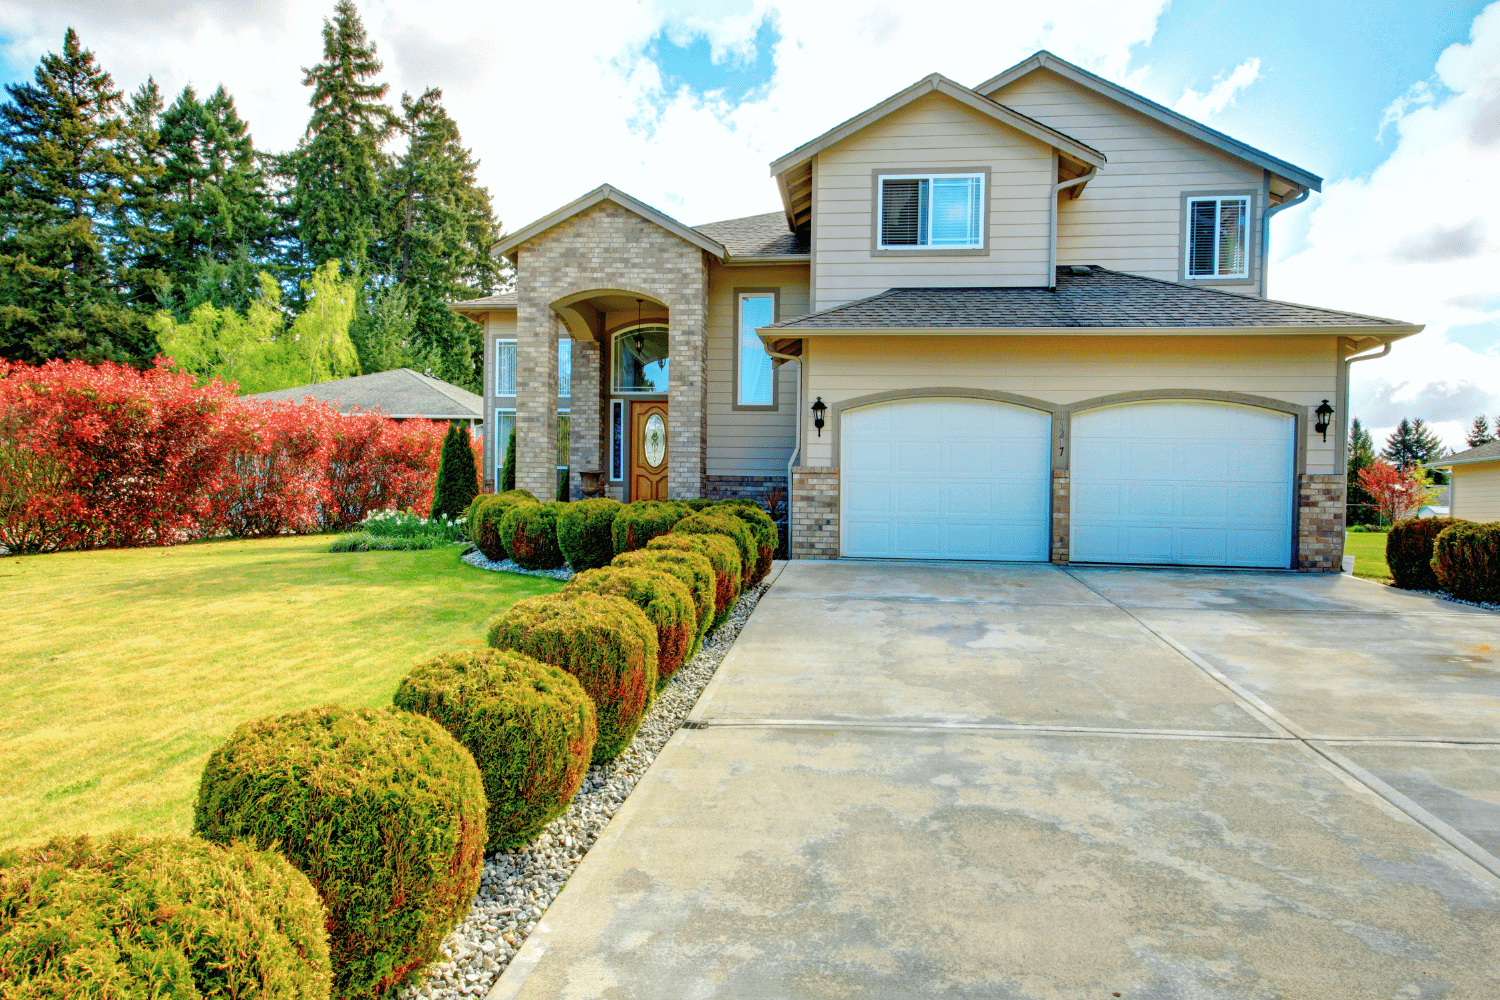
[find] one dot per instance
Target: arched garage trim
(836, 410)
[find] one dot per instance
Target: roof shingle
(400, 392)
(756, 236)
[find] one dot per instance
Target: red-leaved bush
(95, 456)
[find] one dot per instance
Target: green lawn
(1368, 550)
(121, 670)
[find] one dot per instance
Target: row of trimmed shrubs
(335, 848)
(1460, 557)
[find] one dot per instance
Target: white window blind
(565, 367)
(505, 367)
(756, 385)
(1218, 238)
(942, 210)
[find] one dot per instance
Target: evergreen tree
(141, 237)
(457, 478)
(1479, 433)
(335, 170)
(1412, 443)
(61, 178)
(382, 333)
(508, 476)
(1360, 506)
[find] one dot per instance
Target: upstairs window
(941, 211)
(1218, 238)
(755, 383)
(505, 367)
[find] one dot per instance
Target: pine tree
(1479, 433)
(1412, 443)
(335, 170)
(61, 179)
(141, 236)
(457, 478)
(1360, 506)
(508, 477)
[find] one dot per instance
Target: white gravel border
(479, 560)
(518, 886)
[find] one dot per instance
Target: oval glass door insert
(656, 440)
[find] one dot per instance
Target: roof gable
(603, 193)
(1165, 115)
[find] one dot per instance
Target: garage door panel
(917, 458)
(873, 498)
(1203, 501)
(1201, 461)
(918, 499)
(1149, 458)
(921, 538)
(1146, 500)
(873, 457)
(1208, 546)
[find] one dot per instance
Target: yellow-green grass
(121, 670)
(1368, 550)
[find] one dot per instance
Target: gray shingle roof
(755, 236)
(488, 302)
(1484, 453)
(400, 392)
(1100, 298)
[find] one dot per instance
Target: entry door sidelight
(648, 450)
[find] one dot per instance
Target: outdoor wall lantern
(1324, 412)
(818, 409)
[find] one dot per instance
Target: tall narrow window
(564, 367)
(1218, 237)
(617, 440)
(505, 367)
(940, 211)
(756, 381)
(505, 422)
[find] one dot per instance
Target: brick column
(687, 392)
(1060, 516)
(536, 397)
(1320, 524)
(815, 512)
(584, 433)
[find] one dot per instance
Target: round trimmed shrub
(381, 809)
(666, 601)
(695, 572)
(1408, 551)
(529, 531)
(585, 533)
(1466, 560)
(713, 522)
(637, 523)
(604, 641)
(485, 515)
(696, 504)
(134, 917)
(761, 527)
(721, 554)
(529, 725)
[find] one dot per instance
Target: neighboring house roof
(475, 309)
(1484, 453)
(1149, 108)
(1094, 298)
(400, 392)
(602, 193)
(757, 236)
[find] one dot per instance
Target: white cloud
(1202, 107)
(1419, 239)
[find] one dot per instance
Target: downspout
(1057, 189)
(1265, 237)
(791, 462)
(1343, 449)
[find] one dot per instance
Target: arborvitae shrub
(695, 504)
(457, 479)
(585, 533)
(637, 523)
(381, 809)
(485, 515)
(132, 917)
(1466, 560)
(604, 641)
(529, 725)
(695, 572)
(761, 527)
(714, 522)
(666, 601)
(722, 553)
(529, 531)
(1408, 552)
(508, 474)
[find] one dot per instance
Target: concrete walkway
(980, 780)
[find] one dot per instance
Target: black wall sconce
(818, 409)
(1324, 412)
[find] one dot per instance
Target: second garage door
(945, 478)
(1185, 482)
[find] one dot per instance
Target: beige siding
(1130, 217)
(934, 131)
(1476, 491)
(754, 442)
(1298, 370)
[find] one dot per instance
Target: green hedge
(529, 725)
(696, 504)
(761, 527)
(664, 599)
(381, 809)
(695, 572)
(585, 533)
(714, 522)
(529, 531)
(604, 641)
(1408, 552)
(1466, 560)
(485, 515)
(722, 554)
(131, 917)
(637, 523)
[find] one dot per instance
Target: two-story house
(1019, 321)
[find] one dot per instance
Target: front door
(648, 451)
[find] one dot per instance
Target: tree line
(130, 224)
(1411, 445)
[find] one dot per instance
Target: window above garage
(1216, 230)
(930, 211)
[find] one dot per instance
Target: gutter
(1056, 190)
(791, 462)
(1343, 448)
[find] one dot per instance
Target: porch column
(536, 396)
(584, 433)
(687, 394)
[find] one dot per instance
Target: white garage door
(1178, 481)
(944, 478)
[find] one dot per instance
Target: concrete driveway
(980, 780)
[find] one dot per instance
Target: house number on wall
(656, 440)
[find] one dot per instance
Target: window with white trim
(505, 422)
(617, 440)
(939, 211)
(505, 367)
(756, 383)
(564, 366)
(1218, 237)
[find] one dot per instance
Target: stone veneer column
(1320, 524)
(687, 393)
(584, 435)
(1060, 516)
(536, 395)
(815, 512)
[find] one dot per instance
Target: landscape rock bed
(517, 886)
(478, 560)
